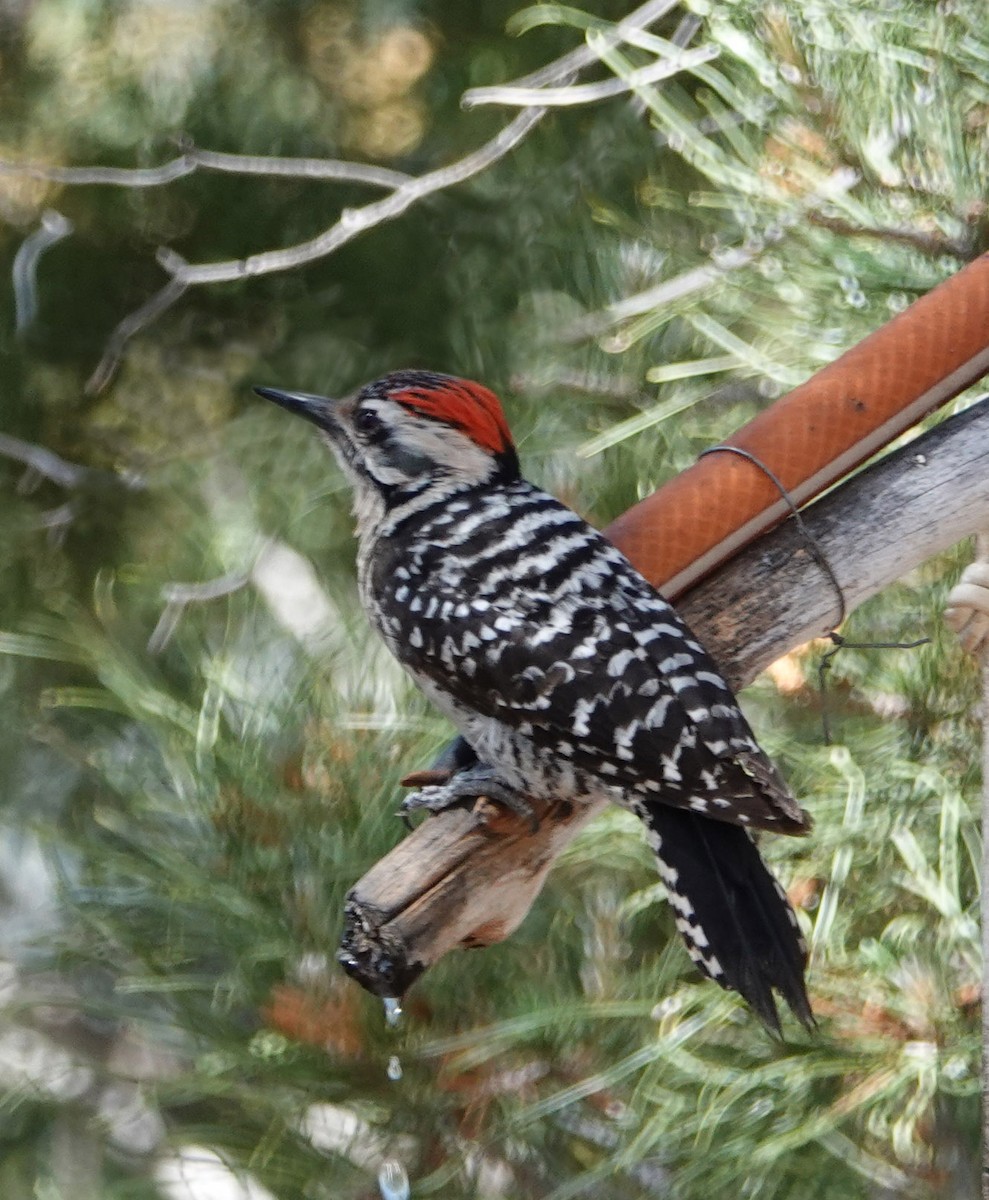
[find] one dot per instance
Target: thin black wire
(819, 557)
(813, 545)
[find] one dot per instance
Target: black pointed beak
(318, 409)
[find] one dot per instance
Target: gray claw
(467, 785)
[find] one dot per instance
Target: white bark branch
(354, 221)
(404, 190)
(590, 93)
(132, 324)
(42, 461)
(351, 223)
(51, 230)
(193, 159)
(570, 64)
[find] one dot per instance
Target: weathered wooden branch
(873, 529)
(467, 878)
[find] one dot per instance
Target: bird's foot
(468, 785)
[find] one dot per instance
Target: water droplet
(956, 1068)
(770, 267)
(393, 1181)
(616, 344)
(394, 1068)
(791, 73)
(312, 968)
(393, 1011)
(724, 257)
(268, 1045)
(666, 1008)
(789, 292)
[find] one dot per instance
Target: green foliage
(188, 789)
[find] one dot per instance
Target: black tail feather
(734, 917)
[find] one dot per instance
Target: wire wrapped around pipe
(814, 435)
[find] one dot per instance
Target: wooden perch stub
(467, 878)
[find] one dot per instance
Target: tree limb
(467, 878)
(590, 93)
(574, 61)
(192, 159)
(404, 190)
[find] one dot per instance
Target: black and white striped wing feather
(571, 648)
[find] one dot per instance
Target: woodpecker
(566, 673)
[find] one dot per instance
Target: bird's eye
(366, 420)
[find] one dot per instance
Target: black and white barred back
(562, 667)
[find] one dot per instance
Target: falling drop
(394, 1068)
(393, 1010)
(393, 1181)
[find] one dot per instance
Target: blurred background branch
(405, 190)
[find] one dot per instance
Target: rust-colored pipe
(814, 435)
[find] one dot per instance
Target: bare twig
(405, 190)
(58, 519)
(568, 65)
(208, 589)
(129, 177)
(52, 229)
(299, 168)
(352, 221)
(178, 595)
(588, 93)
(193, 159)
(133, 323)
(44, 462)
